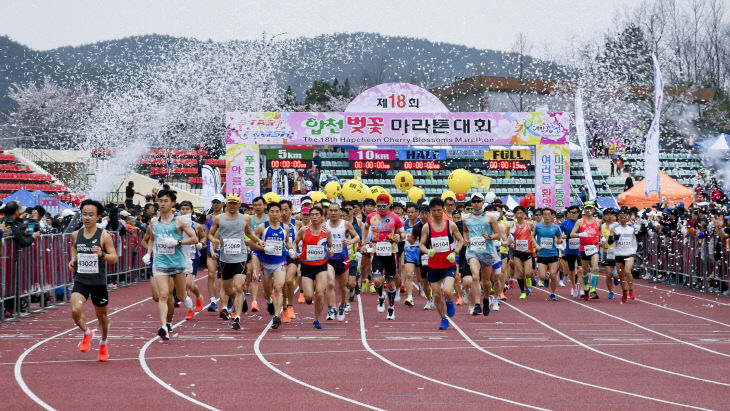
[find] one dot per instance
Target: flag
(210, 186)
(651, 151)
(580, 128)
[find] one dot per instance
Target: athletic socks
(521, 283)
(594, 280)
(103, 342)
(585, 281)
(391, 297)
(528, 282)
(88, 331)
(379, 291)
(188, 303)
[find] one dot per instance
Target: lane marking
(409, 371)
(671, 291)
(539, 371)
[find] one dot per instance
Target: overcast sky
(488, 24)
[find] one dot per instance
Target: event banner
(651, 152)
(552, 176)
(211, 185)
(580, 128)
(396, 129)
(243, 171)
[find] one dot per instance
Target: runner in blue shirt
(572, 250)
(546, 236)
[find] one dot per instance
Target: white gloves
(168, 241)
(497, 243)
(292, 253)
(199, 246)
(358, 257)
(146, 259)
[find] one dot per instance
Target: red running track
(667, 349)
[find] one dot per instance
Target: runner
(522, 237)
(306, 220)
(424, 216)
(399, 210)
(91, 249)
(386, 229)
(411, 252)
(166, 243)
(212, 262)
(546, 236)
(504, 250)
(292, 264)
(228, 235)
(339, 262)
(353, 278)
(316, 250)
(274, 248)
(192, 255)
(624, 236)
(587, 229)
(437, 240)
(608, 253)
(254, 265)
(368, 206)
(572, 250)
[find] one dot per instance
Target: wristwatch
(179, 242)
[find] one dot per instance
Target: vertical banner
(580, 128)
(651, 151)
(243, 171)
(210, 185)
(552, 176)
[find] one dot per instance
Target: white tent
(720, 145)
(511, 201)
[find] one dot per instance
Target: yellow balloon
(271, 198)
(317, 196)
(333, 189)
(353, 190)
(375, 191)
(448, 194)
(460, 181)
(414, 194)
(403, 180)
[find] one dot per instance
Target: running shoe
(162, 332)
(610, 296)
(409, 302)
(270, 307)
(199, 304)
(586, 296)
(291, 312)
(372, 289)
(450, 309)
(341, 312)
(429, 305)
(301, 297)
(502, 296)
(213, 307)
(397, 295)
(615, 280)
(561, 283)
(624, 297)
(470, 311)
(236, 323)
(276, 322)
(523, 296)
(224, 314)
(177, 303)
(553, 297)
(540, 283)
(86, 341)
(331, 313)
(317, 325)
(169, 328)
(477, 310)
(444, 324)
(365, 285)
(495, 304)
(348, 308)
(459, 301)
(631, 294)
(528, 290)
(254, 307)
(285, 316)
(391, 313)
(103, 352)
(573, 292)
(189, 315)
(593, 294)
(381, 304)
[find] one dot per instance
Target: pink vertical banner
(243, 175)
(552, 176)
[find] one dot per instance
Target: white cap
(124, 214)
(67, 212)
(477, 195)
(219, 197)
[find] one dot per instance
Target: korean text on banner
(210, 185)
(552, 176)
(243, 171)
(651, 152)
(580, 128)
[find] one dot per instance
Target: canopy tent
(31, 199)
(606, 202)
(670, 188)
(510, 201)
(715, 145)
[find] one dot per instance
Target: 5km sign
(289, 154)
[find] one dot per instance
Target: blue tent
(719, 143)
(31, 199)
(605, 202)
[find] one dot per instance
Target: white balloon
(490, 197)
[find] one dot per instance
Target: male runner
(424, 216)
(481, 230)
(217, 206)
(572, 250)
(522, 238)
(546, 236)
(411, 252)
(624, 236)
(608, 253)
(339, 262)
(91, 249)
(587, 229)
(292, 264)
(368, 206)
(191, 256)
(252, 281)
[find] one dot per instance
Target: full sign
(508, 155)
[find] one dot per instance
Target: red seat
(195, 180)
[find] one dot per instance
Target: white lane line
(615, 357)
(600, 387)
(167, 386)
(671, 291)
(387, 361)
(19, 362)
(262, 358)
(644, 328)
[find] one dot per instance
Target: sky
(549, 25)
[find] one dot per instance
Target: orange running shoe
(189, 315)
(631, 294)
(285, 316)
(86, 342)
(290, 312)
(301, 297)
(199, 304)
(233, 315)
(254, 306)
(502, 296)
(459, 301)
(103, 352)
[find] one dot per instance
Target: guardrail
(36, 278)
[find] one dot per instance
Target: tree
(325, 96)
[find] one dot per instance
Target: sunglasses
(382, 206)
(216, 201)
(477, 201)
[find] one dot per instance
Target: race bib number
(383, 248)
(87, 263)
(624, 243)
(315, 252)
(574, 243)
(273, 247)
(590, 249)
(232, 246)
(440, 244)
(477, 244)
(610, 254)
(336, 246)
(521, 245)
(424, 259)
(546, 242)
(164, 249)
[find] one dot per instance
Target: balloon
(403, 180)
(448, 193)
(353, 190)
(271, 197)
(531, 198)
(375, 191)
(414, 194)
(317, 196)
(460, 181)
(333, 189)
(490, 197)
(461, 196)
(525, 202)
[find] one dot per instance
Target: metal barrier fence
(39, 274)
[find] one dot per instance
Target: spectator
(315, 175)
(619, 165)
(129, 194)
(266, 182)
(716, 194)
(629, 183)
(612, 168)
(291, 179)
(317, 161)
(308, 184)
(14, 226)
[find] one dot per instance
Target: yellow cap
(233, 198)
